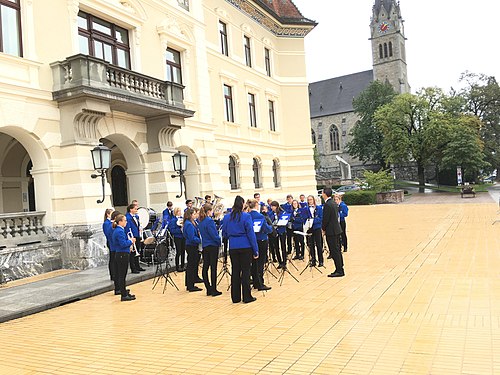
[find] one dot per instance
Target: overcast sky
(445, 38)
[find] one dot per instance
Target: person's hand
(133, 239)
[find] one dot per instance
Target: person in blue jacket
(262, 242)
(210, 242)
(193, 240)
(287, 208)
(343, 213)
(297, 221)
(107, 229)
(175, 229)
(314, 213)
(303, 202)
(237, 226)
(133, 226)
(275, 215)
(121, 244)
(167, 215)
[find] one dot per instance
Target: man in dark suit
(331, 228)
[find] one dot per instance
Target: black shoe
(336, 274)
(216, 293)
(275, 260)
(198, 280)
(320, 264)
(345, 250)
(142, 269)
(329, 257)
(264, 287)
(136, 271)
(313, 263)
(128, 298)
(250, 300)
(280, 266)
(117, 292)
(131, 295)
(295, 257)
(301, 258)
(195, 289)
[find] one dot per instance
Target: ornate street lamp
(180, 165)
(101, 157)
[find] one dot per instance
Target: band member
(189, 204)
(331, 227)
(175, 229)
(302, 202)
(287, 207)
(107, 228)
(297, 222)
(343, 213)
(168, 213)
(208, 199)
(315, 241)
(210, 242)
(275, 215)
(121, 245)
(262, 242)
(273, 236)
(192, 236)
(256, 196)
(133, 226)
(238, 227)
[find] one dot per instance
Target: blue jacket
(174, 229)
(131, 225)
(265, 229)
(281, 229)
(209, 234)
(240, 232)
(191, 234)
(298, 219)
(287, 207)
(343, 211)
(318, 216)
(303, 204)
(107, 228)
(167, 216)
(121, 243)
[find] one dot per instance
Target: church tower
(388, 45)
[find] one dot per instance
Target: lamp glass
(184, 159)
(180, 161)
(101, 157)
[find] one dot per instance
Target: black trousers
(134, 260)
(111, 263)
(315, 243)
(343, 236)
(289, 236)
(273, 247)
(333, 246)
(193, 259)
(210, 255)
(241, 260)
(281, 254)
(121, 267)
(180, 251)
(258, 265)
(299, 245)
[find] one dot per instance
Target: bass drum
(147, 217)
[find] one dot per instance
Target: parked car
(346, 188)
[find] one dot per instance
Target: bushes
(359, 197)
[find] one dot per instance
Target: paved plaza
(421, 296)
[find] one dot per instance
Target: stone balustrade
(20, 228)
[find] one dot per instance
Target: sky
(444, 39)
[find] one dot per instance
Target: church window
(385, 50)
(380, 52)
(334, 138)
(390, 49)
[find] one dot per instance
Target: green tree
(366, 143)
(379, 181)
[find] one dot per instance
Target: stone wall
(395, 196)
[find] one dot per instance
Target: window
(119, 186)
(223, 38)
(228, 103)
(380, 52)
(10, 27)
(385, 50)
(251, 110)
(313, 136)
(276, 173)
(267, 60)
(256, 174)
(390, 49)
(334, 138)
(103, 40)
(248, 52)
(233, 173)
(272, 120)
(174, 73)
(183, 4)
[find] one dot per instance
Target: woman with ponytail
(210, 242)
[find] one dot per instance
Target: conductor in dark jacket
(331, 228)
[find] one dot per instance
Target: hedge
(359, 197)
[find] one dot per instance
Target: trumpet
(199, 202)
(130, 236)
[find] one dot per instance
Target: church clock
(383, 27)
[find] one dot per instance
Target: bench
(468, 190)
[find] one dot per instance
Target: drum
(147, 217)
(148, 237)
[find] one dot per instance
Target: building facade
(221, 80)
(332, 113)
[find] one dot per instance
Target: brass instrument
(218, 207)
(199, 202)
(134, 247)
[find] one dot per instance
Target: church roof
(335, 95)
(285, 11)
(386, 3)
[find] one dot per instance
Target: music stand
(269, 263)
(310, 264)
(162, 252)
(225, 269)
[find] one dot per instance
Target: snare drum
(147, 217)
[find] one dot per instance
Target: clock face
(383, 27)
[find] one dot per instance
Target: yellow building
(221, 80)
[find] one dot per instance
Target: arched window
(390, 49)
(334, 138)
(233, 173)
(119, 186)
(276, 173)
(313, 137)
(380, 52)
(31, 187)
(257, 180)
(385, 50)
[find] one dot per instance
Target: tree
(379, 181)
(366, 143)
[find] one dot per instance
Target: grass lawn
(479, 188)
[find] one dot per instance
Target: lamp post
(101, 157)
(180, 165)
